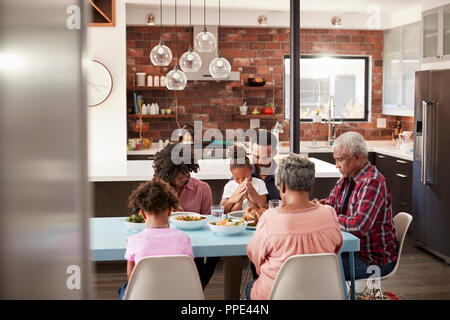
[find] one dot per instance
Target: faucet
(332, 125)
(278, 127)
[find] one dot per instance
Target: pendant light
(190, 61)
(219, 68)
(161, 54)
(176, 79)
(205, 41)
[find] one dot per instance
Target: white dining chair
(165, 278)
(309, 277)
(401, 222)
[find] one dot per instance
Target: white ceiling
(314, 13)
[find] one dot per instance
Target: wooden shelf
(147, 89)
(103, 13)
(151, 116)
(258, 116)
(263, 88)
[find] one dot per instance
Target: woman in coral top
(297, 227)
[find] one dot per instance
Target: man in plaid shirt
(362, 201)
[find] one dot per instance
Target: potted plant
(269, 108)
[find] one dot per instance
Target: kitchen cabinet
(435, 35)
(401, 59)
(140, 157)
(398, 174)
(102, 13)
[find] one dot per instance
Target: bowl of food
(227, 227)
(135, 222)
(256, 82)
(188, 220)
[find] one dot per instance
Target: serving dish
(232, 226)
(188, 220)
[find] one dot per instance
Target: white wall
(107, 124)
(407, 16)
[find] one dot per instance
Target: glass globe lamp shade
(190, 61)
(176, 79)
(220, 68)
(161, 55)
(205, 41)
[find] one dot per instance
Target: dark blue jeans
(361, 268)
(121, 291)
(248, 289)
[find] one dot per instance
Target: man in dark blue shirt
(264, 166)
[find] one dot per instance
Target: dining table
(108, 240)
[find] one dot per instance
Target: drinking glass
(217, 212)
(275, 203)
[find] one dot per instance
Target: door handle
(401, 161)
(400, 175)
(381, 157)
(425, 106)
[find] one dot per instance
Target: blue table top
(109, 240)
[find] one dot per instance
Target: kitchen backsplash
(255, 50)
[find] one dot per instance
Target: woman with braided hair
(194, 195)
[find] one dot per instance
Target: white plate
(227, 230)
(135, 226)
(187, 225)
(237, 214)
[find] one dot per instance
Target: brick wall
(255, 50)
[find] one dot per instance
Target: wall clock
(99, 83)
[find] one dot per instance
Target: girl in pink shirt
(298, 227)
(194, 195)
(154, 200)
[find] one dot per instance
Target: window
(346, 78)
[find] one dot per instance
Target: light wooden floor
(420, 276)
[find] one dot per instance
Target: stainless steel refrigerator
(431, 169)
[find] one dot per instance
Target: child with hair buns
(243, 191)
(154, 200)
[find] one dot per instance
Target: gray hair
(297, 173)
(351, 143)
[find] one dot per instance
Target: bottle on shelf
(144, 109)
(156, 81)
(149, 81)
(153, 108)
(162, 81)
(156, 108)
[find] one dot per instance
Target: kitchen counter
(385, 147)
(210, 169)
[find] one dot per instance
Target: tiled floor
(420, 276)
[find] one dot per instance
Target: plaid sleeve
(332, 198)
(370, 201)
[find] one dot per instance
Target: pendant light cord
(218, 49)
(190, 24)
(204, 14)
(160, 18)
(176, 35)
